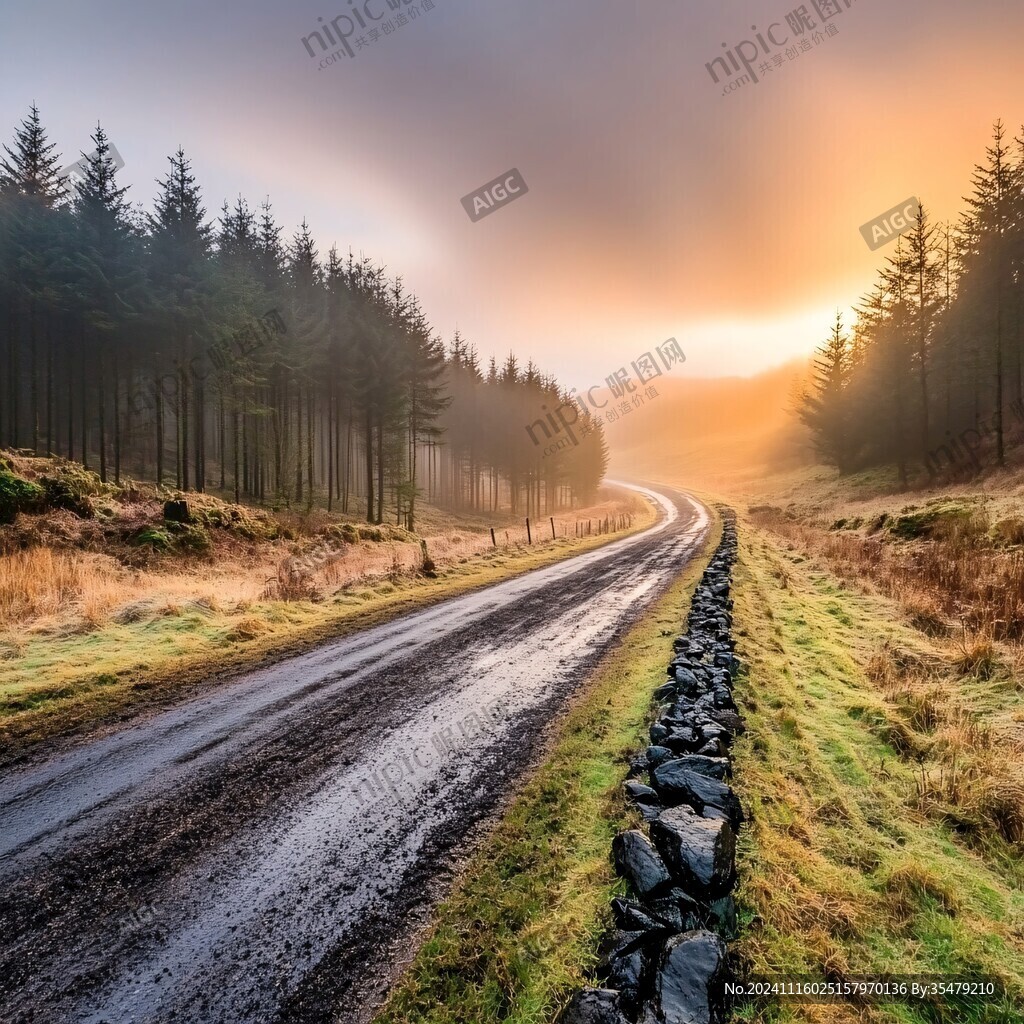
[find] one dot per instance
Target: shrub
(72, 488)
(181, 537)
(191, 538)
(976, 655)
(1009, 531)
(925, 612)
(16, 495)
(153, 537)
(939, 522)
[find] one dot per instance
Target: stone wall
(666, 961)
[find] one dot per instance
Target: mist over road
(254, 854)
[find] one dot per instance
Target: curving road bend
(260, 853)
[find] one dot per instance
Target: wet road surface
(259, 853)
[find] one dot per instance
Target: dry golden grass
(47, 590)
(51, 588)
(968, 770)
(38, 582)
(882, 796)
(954, 579)
(958, 574)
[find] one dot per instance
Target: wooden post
(529, 536)
(494, 543)
(553, 535)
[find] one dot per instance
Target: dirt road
(260, 853)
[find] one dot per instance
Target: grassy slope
(519, 931)
(55, 685)
(844, 870)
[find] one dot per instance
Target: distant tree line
(932, 374)
(220, 356)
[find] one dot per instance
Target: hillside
(713, 433)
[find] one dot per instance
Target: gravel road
(264, 852)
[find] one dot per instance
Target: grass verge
(519, 931)
(59, 685)
(848, 867)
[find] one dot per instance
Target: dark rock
(683, 708)
(729, 661)
(682, 660)
(722, 697)
(676, 784)
(690, 985)
(679, 911)
(648, 802)
(679, 716)
(686, 681)
(700, 852)
(712, 767)
(594, 1006)
(641, 794)
(622, 941)
(639, 863)
(658, 755)
(681, 741)
(729, 720)
(626, 961)
(710, 731)
(626, 973)
(658, 732)
(722, 917)
(714, 748)
(648, 1015)
(632, 917)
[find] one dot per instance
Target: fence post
(494, 543)
(529, 536)
(553, 535)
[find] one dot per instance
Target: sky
(657, 206)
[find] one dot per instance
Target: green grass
(519, 932)
(841, 871)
